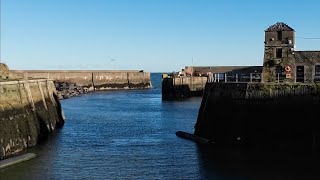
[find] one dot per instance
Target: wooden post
(250, 77)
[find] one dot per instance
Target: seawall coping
(24, 81)
(76, 71)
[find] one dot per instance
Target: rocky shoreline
(66, 90)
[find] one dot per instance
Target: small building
(282, 63)
(226, 73)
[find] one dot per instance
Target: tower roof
(280, 26)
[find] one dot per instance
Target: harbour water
(131, 135)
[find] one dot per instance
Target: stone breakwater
(29, 111)
(66, 90)
(92, 80)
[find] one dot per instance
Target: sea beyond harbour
(130, 134)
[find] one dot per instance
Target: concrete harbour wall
(93, 80)
(29, 112)
(180, 87)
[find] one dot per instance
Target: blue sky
(153, 35)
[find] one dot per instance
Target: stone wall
(95, 80)
(286, 57)
(308, 59)
(256, 114)
(29, 111)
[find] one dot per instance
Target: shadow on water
(243, 163)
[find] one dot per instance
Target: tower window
(279, 34)
(279, 53)
(317, 70)
(286, 40)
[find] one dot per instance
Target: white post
(236, 77)
(225, 77)
(278, 78)
(218, 78)
(250, 77)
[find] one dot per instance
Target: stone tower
(278, 63)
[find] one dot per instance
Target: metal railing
(224, 77)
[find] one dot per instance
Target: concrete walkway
(15, 160)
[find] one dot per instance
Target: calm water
(131, 135)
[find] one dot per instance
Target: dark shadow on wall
(60, 122)
(43, 129)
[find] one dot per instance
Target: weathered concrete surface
(17, 159)
(121, 80)
(94, 79)
(182, 87)
(260, 114)
(29, 111)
